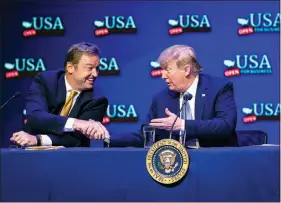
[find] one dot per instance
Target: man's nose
(95, 72)
(164, 76)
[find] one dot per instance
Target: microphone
(17, 94)
(187, 96)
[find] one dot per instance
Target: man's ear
(70, 67)
(187, 70)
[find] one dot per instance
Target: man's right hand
(91, 129)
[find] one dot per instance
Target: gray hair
(77, 50)
(183, 55)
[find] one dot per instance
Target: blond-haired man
(209, 116)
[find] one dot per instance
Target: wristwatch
(38, 138)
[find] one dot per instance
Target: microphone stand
(171, 131)
(14, 96)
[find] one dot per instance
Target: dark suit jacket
(215, 115)
(45, 101)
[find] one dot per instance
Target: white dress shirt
(45, 139)
(191, 90)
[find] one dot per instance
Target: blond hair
(182, 55)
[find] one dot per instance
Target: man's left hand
(24, 139)
(166, 123)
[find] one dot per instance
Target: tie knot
(73, 93)
(187, 96)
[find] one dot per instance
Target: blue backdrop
(133, 50)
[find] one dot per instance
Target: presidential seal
(167, 161)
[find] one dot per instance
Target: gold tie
(68, 103)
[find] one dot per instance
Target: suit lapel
(200, 98)
(174, 102)
(61, 94)
(82, 98)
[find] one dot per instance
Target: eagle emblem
(167, 161)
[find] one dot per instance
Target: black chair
(251, 137)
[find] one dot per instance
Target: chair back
(251, 137)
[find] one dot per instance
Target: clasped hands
(92, 129)
(166, 123)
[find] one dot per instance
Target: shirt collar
(68, 87)
(192, 89)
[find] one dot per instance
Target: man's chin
(87, 87)
(171, 87)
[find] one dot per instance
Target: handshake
(92, 129)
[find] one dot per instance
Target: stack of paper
(44, 147)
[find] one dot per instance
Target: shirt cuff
(107, 140)
(69, 125)
(182, 125)
(46, 140)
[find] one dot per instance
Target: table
(112, 174)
